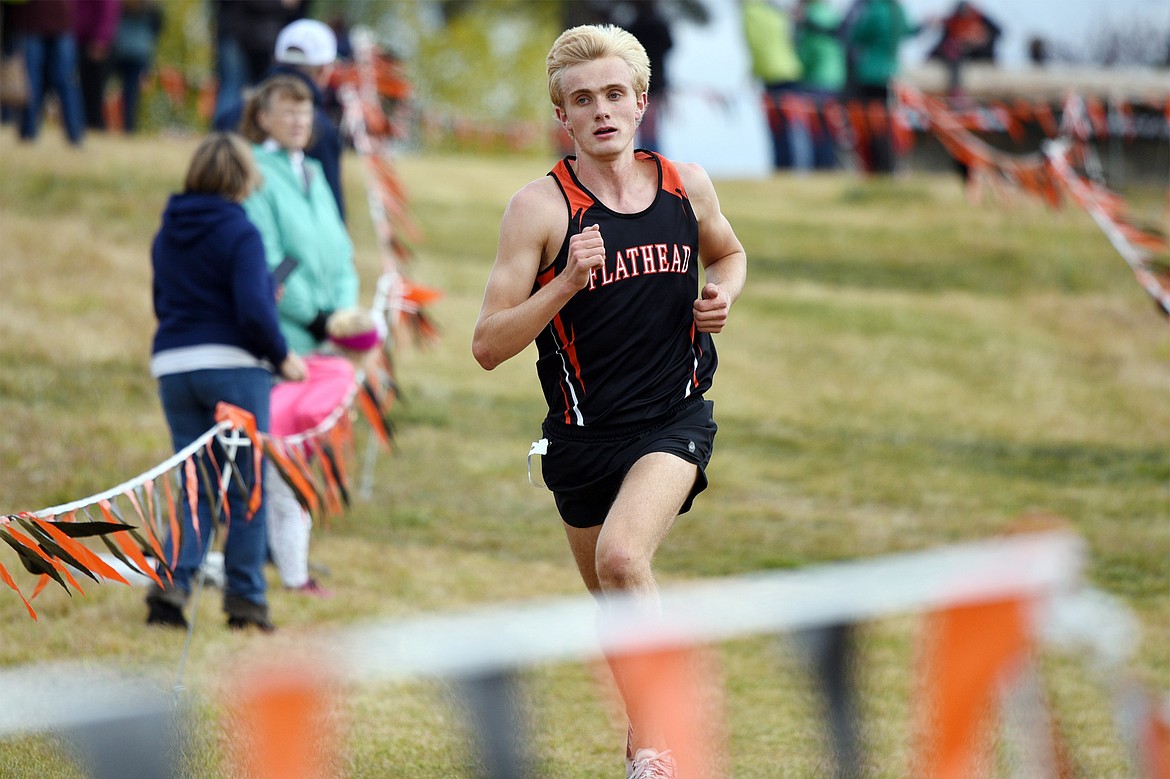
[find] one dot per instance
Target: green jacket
(821, 52)
(769, 40)
(875, 38)
(306, 226)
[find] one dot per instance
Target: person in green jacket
(822, 59)
(297, 214)
(774, 62)
(874, 33)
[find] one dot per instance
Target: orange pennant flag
(1043, 114)
(42, 582)
(173, 84)
(191, 483)
(369, 409)
(330, 477)
(128, 546)
(217, 482)
(242, 420)
(94, 563)
(1098, 116)
(1155, 742)
(134, 553)
(392, 82)
(340, 438)
(28, 543)
(667, 689)
(7, 579)
(155, 546)
(284, 724)
(418, 294)
(970, 651)
(284, 463)
(173, 520)
(51, 560)
(148, 493)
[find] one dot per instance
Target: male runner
(598, 262)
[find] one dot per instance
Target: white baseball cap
(306, 42)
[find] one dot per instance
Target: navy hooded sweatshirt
(211, 282)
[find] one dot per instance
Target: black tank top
(625, 349)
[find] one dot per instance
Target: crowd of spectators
(807, 54)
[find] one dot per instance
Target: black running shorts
(585, 466)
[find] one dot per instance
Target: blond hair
(589, 42)
(222, 165)
(262, 98)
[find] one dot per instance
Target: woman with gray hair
(299, 219)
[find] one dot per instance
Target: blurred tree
(574, 12)
(182, 67)
(482, 61)
(1114, 43)
(1132, 42)
(478, 61)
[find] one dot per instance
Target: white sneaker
(651, 764)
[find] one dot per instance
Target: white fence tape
(504, 637)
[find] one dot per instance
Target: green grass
(904, 370)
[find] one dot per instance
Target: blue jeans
(130, 73)
(784, 144)
(53, 60)
(824, 145)
(189, 401)
(231, 69)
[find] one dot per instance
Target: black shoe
(243, 614)
(243, 623)
(165, 614)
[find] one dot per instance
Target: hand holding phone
(281, 272)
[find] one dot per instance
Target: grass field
(904, 370)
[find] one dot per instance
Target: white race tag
(539, 449)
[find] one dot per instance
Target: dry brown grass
(905, 370)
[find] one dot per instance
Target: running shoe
(312, 588)
(651, 764)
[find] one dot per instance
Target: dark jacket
(95, 21)
(211, 282)
(653, 32)
(44, 18)
(255, 24)
(325, 146)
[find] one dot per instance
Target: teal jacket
(821, 52)
(875, 38)
(307, 226)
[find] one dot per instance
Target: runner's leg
(640, 518)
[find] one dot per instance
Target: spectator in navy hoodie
(218, 339)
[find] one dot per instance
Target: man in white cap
(306, 49)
